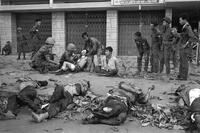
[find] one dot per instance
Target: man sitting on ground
(75, 66)
(6, 50)
(110, 68)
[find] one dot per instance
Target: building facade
(113, 22)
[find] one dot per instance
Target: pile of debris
(174, 117)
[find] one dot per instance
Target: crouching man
(61, 98)
(191, 99)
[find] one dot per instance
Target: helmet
(50, 40)
(71, 47)
(167, 19)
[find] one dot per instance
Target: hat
(167, 19)
(71, 47)
(50, 40)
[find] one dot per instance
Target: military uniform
(66, 56)
(167, 41)
(21, 43)
(187, 37)
(91, 45)
(6, 49)
(40, 62)
(155, 49)
(144, 50)
(175, 51)
(35, 39)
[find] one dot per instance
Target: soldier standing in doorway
(187, 38)
(167, 41)
(21, 43)
(35, 36)
(155, 47)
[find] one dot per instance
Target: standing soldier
(167, 43)
(187, 37)
(35, 36)
(21, 43)
(143, 50)
(155, 47)
(91, 45)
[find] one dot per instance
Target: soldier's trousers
(146, 63)
(167, 55)
(156, 61)
(59, 101)
(184, 62)
(174, 58)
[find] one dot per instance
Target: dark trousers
(59, 101)
(156, 60)
(174, 58)
(36, 47)
(25, 97)
(21, 50)
(184, 62)
(167, 55)
(139, 61)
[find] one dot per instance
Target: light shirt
(110, 64)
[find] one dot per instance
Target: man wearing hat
(167, 42)
(21, 43)
(7, 49)
(41, 60)
(61, 98)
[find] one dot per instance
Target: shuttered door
(92, 22)
(27, 20)
(131, 22)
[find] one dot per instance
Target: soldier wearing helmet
(21, 43)
(41, 60)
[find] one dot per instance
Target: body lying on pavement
(190, 98)
(115, 107)
(61, 98)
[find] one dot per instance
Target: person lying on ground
(41, 60)
(61, 98)
(27, 96)
(99, 59)
(115, 107)
(7, 49)
(111, 66)
(190, 98)
(73, 67)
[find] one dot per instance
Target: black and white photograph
(99, 66)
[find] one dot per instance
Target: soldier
(7, 49)
(155, 47)
(143, 50)
(91, 45)
(187, 37)
(41, 60)
(21, 42)
(35, 36)
(167, 40)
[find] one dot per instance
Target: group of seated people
(71, 61)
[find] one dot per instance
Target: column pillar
(58, 32)
(8, 30)
(112, 30)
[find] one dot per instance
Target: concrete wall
(112, 30)
(8, 30)
(58, 32)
